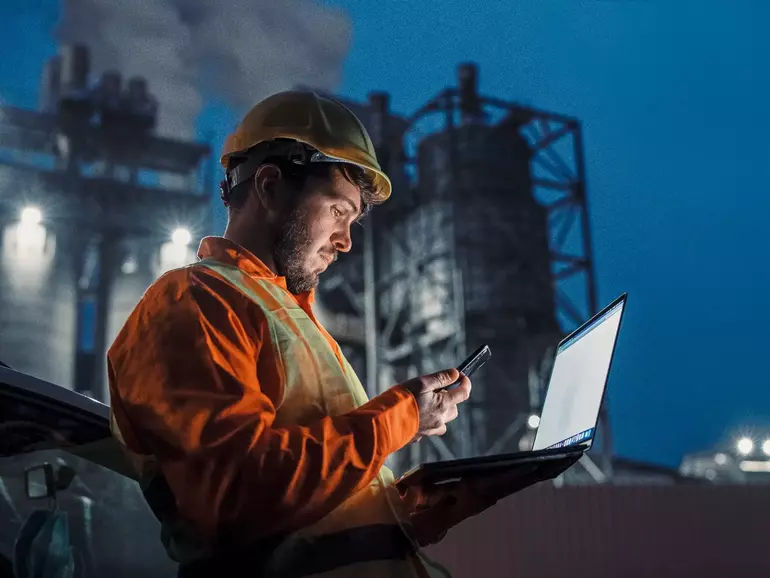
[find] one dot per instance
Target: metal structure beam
(102, 177)
(410, 276)
(410, 342)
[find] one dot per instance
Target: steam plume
(238, 51)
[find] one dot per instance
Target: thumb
(440, 379)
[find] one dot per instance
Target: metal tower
(486, 239)
(107, 194)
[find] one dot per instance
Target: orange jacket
(196, 385)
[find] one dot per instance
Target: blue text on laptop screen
(577, 383)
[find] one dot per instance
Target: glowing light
(30, 234)
(720, 459)
(181, 237)
(129, 266)
(745, 446)
(172, 256)
(755, 466)
(31, 216)
(533, 421)
(766, 447)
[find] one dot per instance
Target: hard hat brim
(381, 185)
(319, 122)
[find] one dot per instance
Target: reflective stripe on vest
(364, 535)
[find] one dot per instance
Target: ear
(267, 181)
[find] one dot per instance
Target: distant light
(534, 421)
(755, 466)
(720, 459)
(711, 474)
(31, 216)
(181, 237)
(766, 447)
(129, 266)
(31, 238)
(745, 446)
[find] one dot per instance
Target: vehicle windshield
(112, 530)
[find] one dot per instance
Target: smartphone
(472, 363)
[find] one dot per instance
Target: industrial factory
(486, 240)
(94, 208)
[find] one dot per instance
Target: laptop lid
(578, 380)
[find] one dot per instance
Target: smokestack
(50, 84)
(109, 88)
(75, 64)
(137, 89)
(468, 80)
(379, 107)
(238, 53)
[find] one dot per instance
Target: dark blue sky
(675, 101)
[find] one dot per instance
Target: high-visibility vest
(367, 535)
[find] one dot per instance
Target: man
(258, 449)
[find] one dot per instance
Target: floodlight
(745, 446)
(31, 216)
(181, 237)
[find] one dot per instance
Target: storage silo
(37, 299)
(477, 216)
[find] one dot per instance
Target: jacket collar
(226, 251)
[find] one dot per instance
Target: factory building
(485, 241)
(742, 456)
(94, 207)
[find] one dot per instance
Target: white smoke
(238, 51)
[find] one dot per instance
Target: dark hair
(296, 175)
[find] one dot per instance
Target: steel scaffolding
(399, 258)
(91, 160)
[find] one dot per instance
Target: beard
(291, 249)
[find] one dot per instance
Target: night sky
(674, 96)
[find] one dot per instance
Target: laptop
(570, 413)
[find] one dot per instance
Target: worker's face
(314, 228)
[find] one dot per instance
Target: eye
(336, 212)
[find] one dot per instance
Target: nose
(342, 241)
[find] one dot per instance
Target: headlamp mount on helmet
(297, 153)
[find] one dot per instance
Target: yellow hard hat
(325, 125)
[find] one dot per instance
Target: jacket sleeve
(184, 389)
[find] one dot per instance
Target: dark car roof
(106, 451)
(22, 382)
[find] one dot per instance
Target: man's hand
(437, 407)
(436, 509)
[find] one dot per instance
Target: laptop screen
(578, 379)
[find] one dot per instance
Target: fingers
(438, 406)
(448, 413)
(460, 393)
(439, 379)
(451, 413)
(438, 431)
